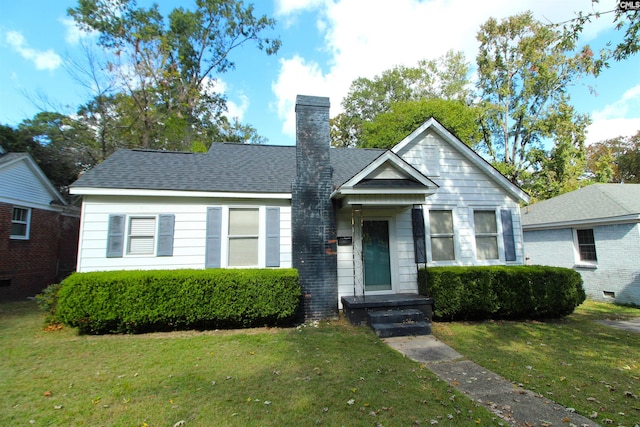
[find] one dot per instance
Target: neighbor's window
(243, 237)
(141, 236)
(486, 234)
(586, 245)
(20, 221)
(441, 230)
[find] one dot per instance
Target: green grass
(261, 377)
(575, 361)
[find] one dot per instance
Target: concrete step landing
(399, 323)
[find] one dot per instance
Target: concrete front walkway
(512, 403)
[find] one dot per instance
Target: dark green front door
(377, 265)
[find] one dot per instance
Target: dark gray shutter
(214, 238)
(165, 234)
(273, 237)
(507, 235)
(419, 244)
(115, 236)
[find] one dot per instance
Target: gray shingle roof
(225, 168)
(594, 203)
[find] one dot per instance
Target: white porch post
(358, 267)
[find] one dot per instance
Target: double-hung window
(586, 245)
(441, 231)
(140, 235)
(141, 238)
(20, 223)
(486, 230)
(243, 237)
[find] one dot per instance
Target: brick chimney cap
(312, 101)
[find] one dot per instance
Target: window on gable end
(486, 230)
(20, 223)
(442, 237)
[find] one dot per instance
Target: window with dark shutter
(486, 231)
(442, 235)
(243, 234)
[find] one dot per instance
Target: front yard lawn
(333, 374)
(576, 361)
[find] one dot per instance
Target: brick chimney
(312, 211)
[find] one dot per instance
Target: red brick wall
(45, 258)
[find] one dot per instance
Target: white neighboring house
(594, 230)
(352, 221)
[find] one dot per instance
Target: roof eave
(582, 223)
(137, 192)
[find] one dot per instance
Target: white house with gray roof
(354, 222)
(594, 230)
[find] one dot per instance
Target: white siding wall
(617, 270)
(463, 189)
(401, 236)
(345, 255)
(20, 185)
(189, 231)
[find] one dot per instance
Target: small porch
(390, 315)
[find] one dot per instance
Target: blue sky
(326, 44)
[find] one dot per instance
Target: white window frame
(130, 218)
(26, 222)
(497, 235)
(578, 256)
(224, 236)
(432, 235)
(258, 237)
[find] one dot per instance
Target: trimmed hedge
(501, 292)
(156, 300)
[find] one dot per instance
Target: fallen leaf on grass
(351, 401)
(47, 393)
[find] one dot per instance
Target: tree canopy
(166, 67)
(402, 118)
(445, 77)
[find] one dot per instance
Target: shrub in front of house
(157, 300)
(501, 292)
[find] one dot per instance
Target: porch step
(399, 323)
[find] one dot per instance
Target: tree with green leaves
(615, 160)
(445, 77)
(626, 22)
(389, 128)
(167, 66)
(524, 71)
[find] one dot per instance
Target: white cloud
(604, 129)
(297, 77)
(43, 60)
(616, 119)
(363, 40)
(237, 110)
(628, 103)
(289, 7)
(73, 33)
